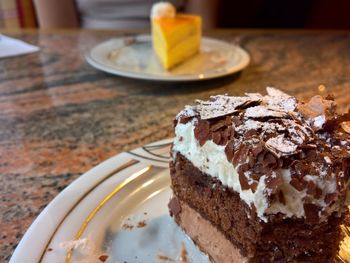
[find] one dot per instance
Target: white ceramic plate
(133, 57)
(117, 209)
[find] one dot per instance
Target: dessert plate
(116, 212)
(133, 57)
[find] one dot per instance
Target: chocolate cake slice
(262, 178)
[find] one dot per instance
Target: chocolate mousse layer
(206, 236)
(279, 240)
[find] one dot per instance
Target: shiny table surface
(60, 117)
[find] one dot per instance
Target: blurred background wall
(131, 14)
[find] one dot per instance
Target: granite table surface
(59, 117)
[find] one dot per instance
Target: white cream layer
(211, 159)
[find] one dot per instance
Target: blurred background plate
(134, 57)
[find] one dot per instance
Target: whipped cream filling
(211, 159)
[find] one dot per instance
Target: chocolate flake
(258, 149)
(187, 113)
(229, 149)
(165, 258)
(240, 156)
(220, 105)
(216, 137)
(141, 224)
(103, 258)
(330, 198)
(127, 226)
(262, 112)
(297, 184)
(311, 213)
(273, 182)
(183, 254)
(281, 146)
(243, 181)
(311, 188)
(201, 131)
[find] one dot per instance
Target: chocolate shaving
(254, 186)
(311, 188)
(274, 182)
(240, 156)
(219, 106)
(270, 161)
(330, 198)
(262, 112)
(218, 125)
(103, 258)
(333, 123)
(318, 193)
(237, 121)
(201, 131)
(243, 181)
(281, 146)
(250, 133)
(216, 137)
(258, 149)
(311, 213)
(230, 133)
(297, 184)
(187, 114)
(229, 149)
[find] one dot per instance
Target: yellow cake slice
(175, 37)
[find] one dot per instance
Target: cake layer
(172, 31)
(288, 240)
(207, 237)
(181, 51)
(175, 37)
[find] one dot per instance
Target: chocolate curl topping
(201, 131)
(311, 213)
(342, 120)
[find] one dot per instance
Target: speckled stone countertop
(60, 117)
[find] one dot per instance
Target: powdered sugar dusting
(189, 111)
(262, 111)
(220, 105)
(281, 146)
